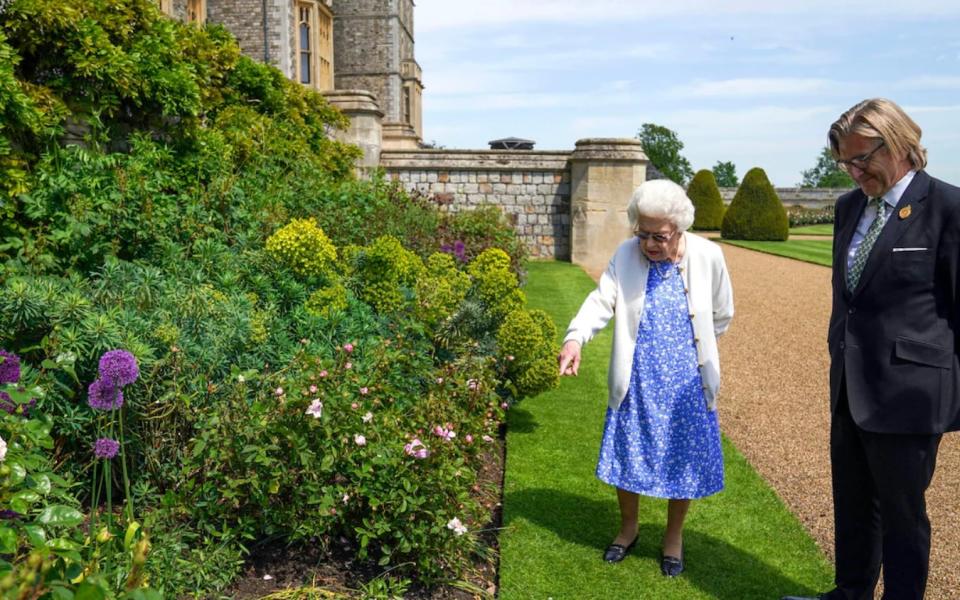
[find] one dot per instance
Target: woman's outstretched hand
(569, 358)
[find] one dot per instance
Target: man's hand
(569, 358)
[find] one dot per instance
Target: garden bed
(294, 571)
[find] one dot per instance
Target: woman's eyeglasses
(660, 238)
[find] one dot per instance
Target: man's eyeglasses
(861, 161)
(660, 238)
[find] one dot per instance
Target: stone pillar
(400, 136)
(365, 130)
(603, 174)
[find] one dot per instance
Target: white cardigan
(621, 292)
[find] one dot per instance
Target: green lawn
(822, 229)
(819, 252)
(741, 543)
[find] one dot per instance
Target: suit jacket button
(851, 310)
(843, 345)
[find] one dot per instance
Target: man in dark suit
(894, 371)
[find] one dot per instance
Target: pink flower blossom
(472, 384)
(278, 391)
(315, 409)
(323, 373)
(439, 380)
(487, 438)
(346, 498)
(360, 440)
(444, 432)
(510, 357)
(468, 438)
(348, 365)
(456, 526)
(364, 391)
(313, 389)
(504, 406)
(348, 347)
(416, 449)
(367, 417)
(354, 406)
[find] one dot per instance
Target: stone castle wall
(531, 188)
(795, 196)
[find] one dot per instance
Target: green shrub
(526, 341)
(495, 286)
(303, 248)
(756, 212)
(384, 274)
(707, 203)
(441, 289)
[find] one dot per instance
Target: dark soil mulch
(335, 570)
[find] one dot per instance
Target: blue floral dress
(662, 441)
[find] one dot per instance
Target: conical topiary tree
(705, 195)
(756, 212)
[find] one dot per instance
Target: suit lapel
(911, 204)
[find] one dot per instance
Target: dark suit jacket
(894, 338)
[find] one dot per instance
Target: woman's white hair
(660, 199)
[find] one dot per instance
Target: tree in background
(662, 147)
(726, 174)
(708, 204)
(756, 212)
(826, 173)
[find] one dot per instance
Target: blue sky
(754, 82)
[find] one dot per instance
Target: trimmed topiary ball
(707, 203)
(756, 212)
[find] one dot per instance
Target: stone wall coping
(609, 149)
(354, 101)
(434, 159)
(789, 196)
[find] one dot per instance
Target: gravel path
(774, 404)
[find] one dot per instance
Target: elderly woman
(670, 292)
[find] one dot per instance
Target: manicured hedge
(708, 204)
(756, 212)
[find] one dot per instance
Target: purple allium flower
(459, 250)
(10, 367)
(119, 366)
(106, 448)
(104, 395)
(8, 514)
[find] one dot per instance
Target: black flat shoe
(617, 552)
(671, 566)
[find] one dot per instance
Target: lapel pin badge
(905, 212)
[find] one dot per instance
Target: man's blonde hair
(883, 119)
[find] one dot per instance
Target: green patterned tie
(863, 250)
